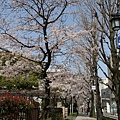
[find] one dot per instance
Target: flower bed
(12, 105)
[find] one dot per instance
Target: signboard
(59, 104)
(118, 42)
(93, 87)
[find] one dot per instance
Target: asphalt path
(84, 118)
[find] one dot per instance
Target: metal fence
(32, 114)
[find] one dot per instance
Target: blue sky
(71, 21)
(100, 73)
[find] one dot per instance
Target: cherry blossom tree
(24, 28)
(71, 85)
(17, 70)
(85, 51)
(108, 46)
(36, 31)
(12, 66)
(101, 12)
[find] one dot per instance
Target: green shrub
(56, 116)
(11, 105)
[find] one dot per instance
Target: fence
(32, 114)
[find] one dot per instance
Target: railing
(32, 114)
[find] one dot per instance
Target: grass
(106, 118)
(71, 116)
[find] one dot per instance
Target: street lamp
(115, 21)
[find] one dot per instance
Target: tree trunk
(47, 99)
(98, 98)
(92, 110)
(98, 102)
(118, 102)
(118, 108)
(88, 107)
(47, 95)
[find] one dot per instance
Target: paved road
(84, 118)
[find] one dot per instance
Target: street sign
(118, 42)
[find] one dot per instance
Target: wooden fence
(32, 114)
